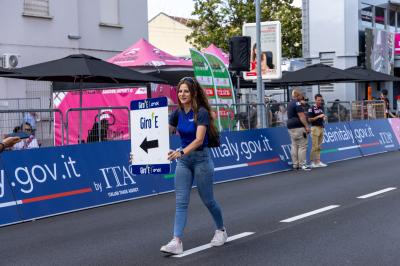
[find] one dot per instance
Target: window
(366, 15)
(36, 8)
(379, 17)
(109, 13)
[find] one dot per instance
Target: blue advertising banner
(241, 154)
(374, 136)
(8, 205)
(247, 153)
(280, 139)
(47, 181)
(339, 143)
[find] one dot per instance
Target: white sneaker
(219, 238)
(317, 165)
(174, 247)
(305, 168)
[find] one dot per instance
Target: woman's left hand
(173, 155)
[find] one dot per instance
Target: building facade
(169, 34)
(347, 33)
(34, 31)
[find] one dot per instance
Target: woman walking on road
(194, 121)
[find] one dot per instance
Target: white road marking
(301, 216)
(376, 193)
(207, 246)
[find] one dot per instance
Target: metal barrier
(338, 111)
(43, 129)
(367, 110)
(20, 103)
(116, 125)
(277, 114)
(99, 124)
(246, 115)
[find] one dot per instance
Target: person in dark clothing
(384, 97)
(298, 130)
(316, 117)
(93, 135)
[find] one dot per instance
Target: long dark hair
(253, 52)
(199, 99)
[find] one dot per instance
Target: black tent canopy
(371, 75)
(5, 71)
(79, 69)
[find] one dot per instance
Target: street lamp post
(260, 87)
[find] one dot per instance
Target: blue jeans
(197, 165)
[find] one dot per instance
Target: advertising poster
(379, 48)
(270, 49)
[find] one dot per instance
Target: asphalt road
(351, 231)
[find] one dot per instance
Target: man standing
(316, 117)
(298, 130)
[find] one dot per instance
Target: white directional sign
(149, 136)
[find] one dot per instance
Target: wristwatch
(182, 152)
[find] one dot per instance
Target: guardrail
(43, 129)
(54, 130)
(98, 124)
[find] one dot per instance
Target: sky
(179, 8)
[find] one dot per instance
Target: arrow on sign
(149, 144)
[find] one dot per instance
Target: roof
(181, 20)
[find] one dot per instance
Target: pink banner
(397, 44)
(395, 123)
(114, 123)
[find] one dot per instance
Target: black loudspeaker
(239, 53)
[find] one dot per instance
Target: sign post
(149, 136)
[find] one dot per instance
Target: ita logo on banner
(149, 136)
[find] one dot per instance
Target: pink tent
(212, 49)
(144, 54)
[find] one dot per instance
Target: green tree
(219, 20)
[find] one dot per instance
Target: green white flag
(224, 89)
(203, 73)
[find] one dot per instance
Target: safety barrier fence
(101, 123)
(49, 181)
(336, 111)
(112, 122)
(41, 121)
